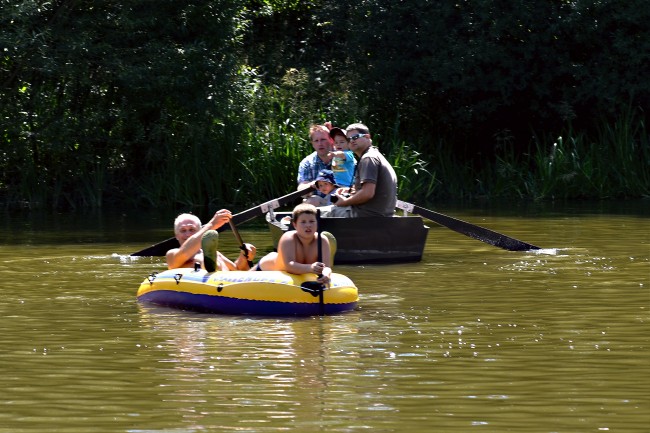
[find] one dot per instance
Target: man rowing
(198, 244)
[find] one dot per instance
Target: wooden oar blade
(498, 239)
(473, 231)
(159, 249)
(233, 227)
(263, 208)
(242, 245)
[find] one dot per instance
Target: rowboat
(265, 293)
(397, 239)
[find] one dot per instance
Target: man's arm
(366, 192)
(176, 257)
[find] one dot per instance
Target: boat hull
(266, 293)
(398, 239)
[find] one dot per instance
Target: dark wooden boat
(398, 239)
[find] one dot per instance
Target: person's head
(303, 218)
(319, 137)
(359, 137)
(185, 225)
(340, 139)
(325, 181)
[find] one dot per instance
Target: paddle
(242, 245)
(479, 233)
(314, 287)
(161, 248)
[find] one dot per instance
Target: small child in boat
(343, 161)
(298, 249)
(326, 184)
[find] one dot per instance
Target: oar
(321, 301)
(161, 248)
(314, 287)
(242, 245)
(479, 233)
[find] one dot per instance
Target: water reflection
(283, 366)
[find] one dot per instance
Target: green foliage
(470, 69)
(616, 164)
(208, 103)
(113, 95)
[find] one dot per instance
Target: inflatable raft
(269, 293)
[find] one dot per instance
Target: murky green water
(473, 338)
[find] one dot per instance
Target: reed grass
(614, 163)
(414, 179)
(611, 163)
(252, 155)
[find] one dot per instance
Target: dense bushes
(474, 69)
(209, 102)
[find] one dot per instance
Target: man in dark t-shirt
(375, 183)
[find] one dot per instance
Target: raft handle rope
(177, 278)
(321, 300)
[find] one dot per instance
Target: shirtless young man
(189, 233)
(298, 250)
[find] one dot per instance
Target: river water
(473, 338)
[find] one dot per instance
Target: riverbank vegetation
(208, 103)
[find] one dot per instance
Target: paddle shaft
(321, 299)
(473, 231)
(161, 248)
(320, 239)
(242, 245)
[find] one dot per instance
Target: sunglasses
(356, 136)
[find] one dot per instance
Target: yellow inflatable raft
(258, 293)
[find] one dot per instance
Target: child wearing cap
(326, 184)
(343, 161)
